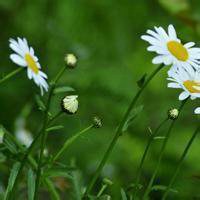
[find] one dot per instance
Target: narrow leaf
(56, 172)
(141, 82)
(132, 117)
(31, 184)
(163, 188)
(52, 189)
(12, 178)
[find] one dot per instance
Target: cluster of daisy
(183, 58)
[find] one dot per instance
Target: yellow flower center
(31, 63)
(178, 50)
(191, 86)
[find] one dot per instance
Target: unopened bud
(173, 113)
(97, 122)
(69, 104)
(70, 60)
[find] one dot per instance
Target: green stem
(11, 74)
(150, 140)
(69, 142)
(148, 189)
(44, 132)
(180, 162)
(119, 130)
(55, 117)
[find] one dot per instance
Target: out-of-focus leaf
(31, 184)
(54, 128)
(132, 116)
(12, 178)
(63, 89)
(175, 6)
(104, 197)
(159, 138)
(2, 157)
(52, 189)
(40, 103)
(123, 194)
(163, 188)
(141, 82)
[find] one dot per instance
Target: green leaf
(40, 103)
(104, 197)
(132, 117)
(53, 128)
(123, 194)
(163, 188)
(31, 184)
(141, 82)
(56, 172)
(63, 89)
(12, 178)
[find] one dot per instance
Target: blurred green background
(105, 35)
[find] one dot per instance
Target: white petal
(183, 95)
(172, 32)
(173, 85)
(157, 60)
(197, 110)
(18, 60)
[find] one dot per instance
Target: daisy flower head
(24, 56)
(170, 50)
(197, 111)
(189, 81)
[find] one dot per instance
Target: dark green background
(105, 35)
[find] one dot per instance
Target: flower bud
(69, 104)
(173, 113)
(70, 60)
(97, 122)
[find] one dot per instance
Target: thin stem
(180, 162)
(69, 142)
(119, 130)
(38, 174)
(148, 189)
(150, 140)
(101, 190)
(11, 74)
(58, 76)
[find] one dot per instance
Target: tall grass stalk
(180, 162)
(150, 140)
(119, 131)
(149, 186)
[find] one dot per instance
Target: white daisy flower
(170, 49)
(70, 104)
(24, 56)
(189, 81)
(197, 111)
